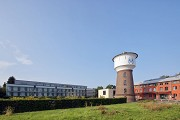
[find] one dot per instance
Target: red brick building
(161, 88)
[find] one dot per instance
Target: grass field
(127, 111)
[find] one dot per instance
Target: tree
(3, 91)
(110, 86)
(11, 80)
(99, 87)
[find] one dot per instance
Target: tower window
(124, 82)
(125, 90)
(124, 74)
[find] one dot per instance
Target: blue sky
(74, 41)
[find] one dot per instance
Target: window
(161, 83)
(125, 90)
(9, 88)
(124, 82)
(140, 90)
(174, 95)
(150, 89)
(104, 92)
(124, 74)
(161, 89)
(15, 88)
(145, 90)
(154, 89)
(166, 83)
(166, 88)
(174, 87)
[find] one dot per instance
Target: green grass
(127, 111)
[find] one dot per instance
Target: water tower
(124, 64)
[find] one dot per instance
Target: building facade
(161, 88)
(90, 92)
(24, 88)
(106, 93)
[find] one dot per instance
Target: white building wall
(108, 93)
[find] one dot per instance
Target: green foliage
(11, 80)
(99, 87)
(110, 86)
(128, 111)
(3, 91)
(31, 104)
(8, 110)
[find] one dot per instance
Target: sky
(74, 41)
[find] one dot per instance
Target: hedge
(39, 105)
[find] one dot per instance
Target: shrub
(102, 109)
(155, 106)
(20, 105)
(9, 111)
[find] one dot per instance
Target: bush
(20, 105)
(9, 111)
(153, 106)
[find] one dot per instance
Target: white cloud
(17, 53)
(2, 44)
(22, 58)
(5, 64)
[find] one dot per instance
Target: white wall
(126, 61)
(109, 93)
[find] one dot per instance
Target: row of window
(145, 90)
(162, 96)
(41, 89)
(166, 88)
(155, 84)
(154, 89)
(43, 94)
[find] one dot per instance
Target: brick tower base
(125, 85)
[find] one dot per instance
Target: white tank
(125, 61)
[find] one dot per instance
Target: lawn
(126, 111)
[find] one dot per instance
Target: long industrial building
(24, 88)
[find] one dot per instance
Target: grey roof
(171, 78)
(25, 82)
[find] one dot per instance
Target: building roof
(25, 82)
(125, 53)
(171, 78)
